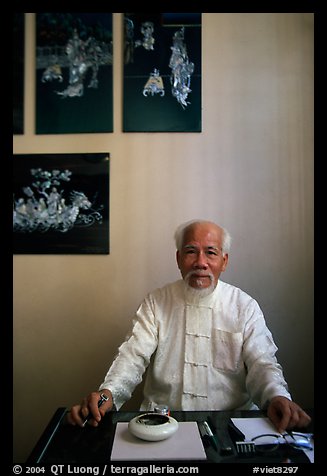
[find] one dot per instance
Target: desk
(67, 444)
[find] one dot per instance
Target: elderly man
(204, 343)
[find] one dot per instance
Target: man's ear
(224, 266)
(177, 259)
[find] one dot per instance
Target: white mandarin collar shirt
(212, 353)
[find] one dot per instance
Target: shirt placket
(197, 357)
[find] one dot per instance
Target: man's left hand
(286, 414)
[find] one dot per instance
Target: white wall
(251, 170)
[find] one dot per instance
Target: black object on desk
(64, 443)
(207, 434)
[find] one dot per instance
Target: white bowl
(153, 426)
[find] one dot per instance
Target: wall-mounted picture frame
(18, 72)
(74, 83)
(162, 72)
(61, 203)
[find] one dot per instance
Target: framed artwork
(18, 72)
(61, 203)
(74, 84)
(162, 72)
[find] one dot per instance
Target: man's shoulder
(233, 292)
(169, 289)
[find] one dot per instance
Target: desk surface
(64, 443)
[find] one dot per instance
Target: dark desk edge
(47, 436)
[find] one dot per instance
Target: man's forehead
(203, 232)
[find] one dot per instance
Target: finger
(70, 419)
(305, 419)
(84, 411)
(74, 416)
(294, 420)
(105, 407)
(299, 419)
(90, 421)
(93, 402)
(279, 418)
(283, 423)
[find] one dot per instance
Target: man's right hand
(89, 406)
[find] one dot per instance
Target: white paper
(185, 444)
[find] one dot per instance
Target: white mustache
(199, 274)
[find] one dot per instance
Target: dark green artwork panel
(18, 72)
(162, 72)
(61, 203)
(74, 84)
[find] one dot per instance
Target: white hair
(180, 231)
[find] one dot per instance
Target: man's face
(201, 260)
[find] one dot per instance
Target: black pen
(211, 436)
(103, 398)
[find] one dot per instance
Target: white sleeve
(265, 378)
(133, 356)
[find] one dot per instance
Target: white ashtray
(153, 426)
